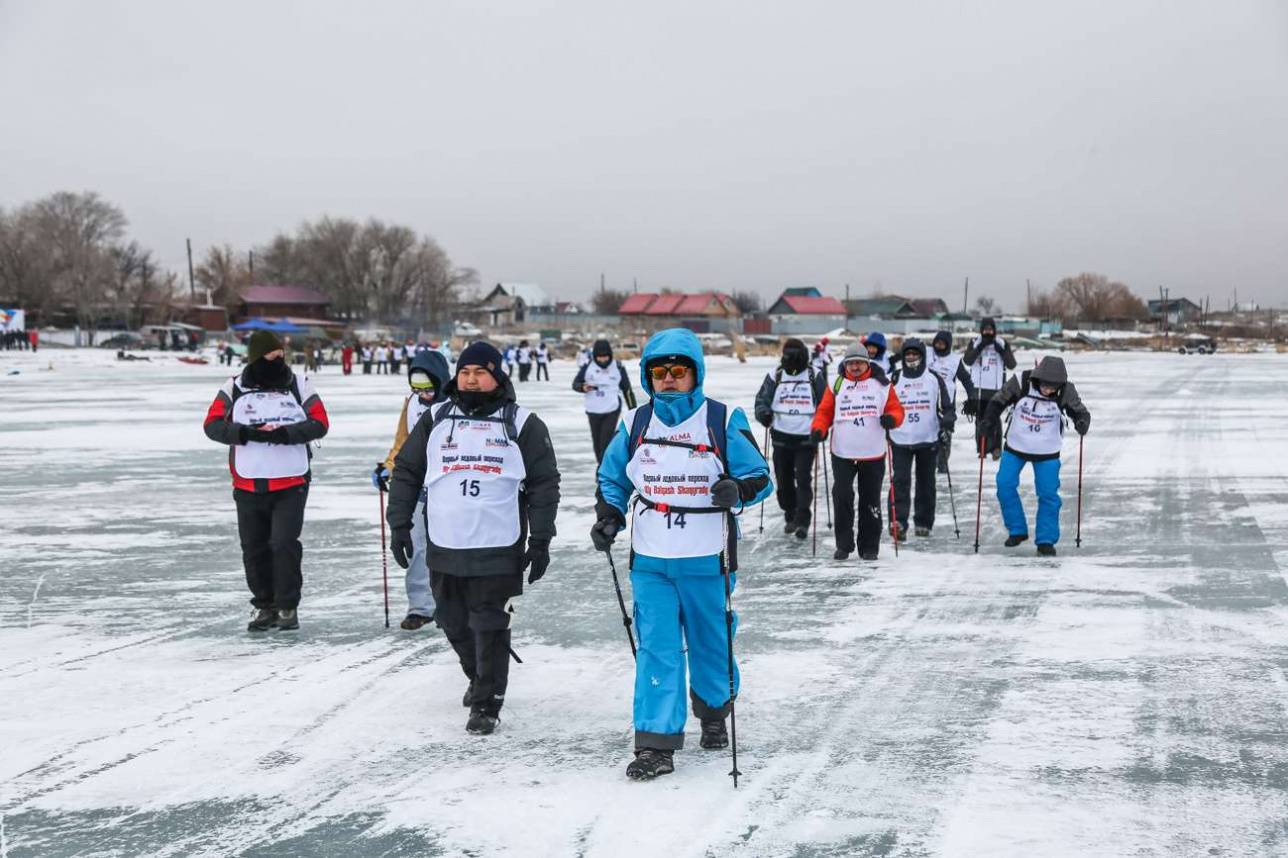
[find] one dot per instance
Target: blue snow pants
(679, 602)
(1046, 479)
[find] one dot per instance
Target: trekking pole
(384, 556)
(894, 524)
(733, 717)
(762, 504)
(1077, 542)
(827, 492)
(813, 551)
(979, 493)
(953, 502)
(621, 603)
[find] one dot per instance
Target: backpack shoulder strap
(639, 424)
(836, 385)
(295, 391)
(778, 376)
(508, 415)
(441, 410)
(718, 429)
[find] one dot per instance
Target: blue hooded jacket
(745, 459)
(435, 364)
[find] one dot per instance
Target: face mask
(941, 349)
(604, 360)
(912, 361)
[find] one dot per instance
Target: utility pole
(847, 292)
(192, 283)
(250, 257)
(1028, 288)
(601, 281)
(1162, 308)
(965, 296)
(635, 285)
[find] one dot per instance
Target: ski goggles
(676, 370)
(420, 381)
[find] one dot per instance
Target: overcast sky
(731, 145)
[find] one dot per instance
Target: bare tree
(607, 302)
(138, 290)
(224, 272)
(986, 306)
(78, 231)
(747, 302)
(1095, 298)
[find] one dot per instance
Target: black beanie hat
(261, 343)
(484, 355)
(602, 348)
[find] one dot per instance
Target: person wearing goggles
(427, 375)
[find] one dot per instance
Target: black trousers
(269, 526)
(524, 370)
(602, 428)
(474, 613)
(395, 366)
(924, 459)
(794, 479)
(994, 440)
(543, 369)
(869, 474)
(366, 367)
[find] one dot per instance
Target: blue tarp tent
(279, 327)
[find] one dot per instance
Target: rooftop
(283, 294)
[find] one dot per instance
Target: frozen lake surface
(1127, 698)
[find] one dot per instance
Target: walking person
(543, 361)
(267, 417)
(605, 386)
(346, 359)
(785, 404)
(427, 376)
(368, 355)
(395, 357)
(821, 360)
(875, 343)
(524, 358)
(857, 411)
(947, 364)
(988, 357)
(491, 482)
(382, 359)
(927, 425)
(677, 466)
(511, 354)
(1039, 400)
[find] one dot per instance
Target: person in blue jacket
(682, 465)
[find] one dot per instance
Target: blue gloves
(380, 477)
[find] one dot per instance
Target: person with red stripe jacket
(858, 410)
(267, 417)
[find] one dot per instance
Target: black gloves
(970, 407)
(817, 436)
(604, 532)
(243, 434)
(273, 436)
(402, 547)
(887, 421)
(1082, 424)
(538, 557)
(765, 420)
(725, 492)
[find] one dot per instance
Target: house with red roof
(805, 311)
(272, 300)
(701, 312)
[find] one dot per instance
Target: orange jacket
(826, 412)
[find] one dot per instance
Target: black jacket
(538, 501)
(1067, 398)
(628, 394)
(972, 353)
(764, 409)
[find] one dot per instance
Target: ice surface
(1127, 698)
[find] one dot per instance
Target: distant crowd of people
(23, 340)
(524, 356)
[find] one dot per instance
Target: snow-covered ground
(1127, 698)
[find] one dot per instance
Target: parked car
(126, 340)
(1197, 345)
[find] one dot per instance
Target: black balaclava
(268, 374)
(795, 357)
(602, 349)
(987, 328)
(943, 343)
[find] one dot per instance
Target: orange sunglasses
(675, 371)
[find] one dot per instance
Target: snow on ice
(1126, 698)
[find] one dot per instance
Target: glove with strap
(402, 546)
(380, 477)
(538, 558)
(970, 407)
(605, 531)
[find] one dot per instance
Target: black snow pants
(870, 473)
(525, 369)
(474, 613)
(994, 440)
(602, 428)
(925, 459)
(269, 526)
(794, 479)
(543, 369)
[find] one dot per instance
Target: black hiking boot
(867, 555)
(482, 722)
(841, 554)
(714, 734)
(649, 763)
(789, 523)
(288, 620)
(922, 531)
(1012, 541)
(411, 622)
(1046, 549)
(802, 532)
(901, 533)
(264, 619)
